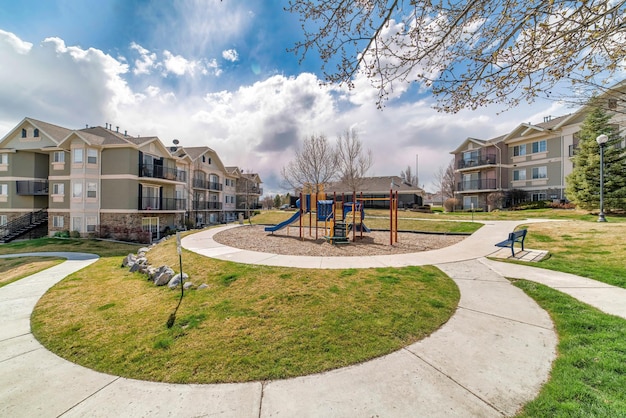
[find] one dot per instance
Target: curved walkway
(490, 358)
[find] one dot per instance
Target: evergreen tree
(583, 184)
(277, 201)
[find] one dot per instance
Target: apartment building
(100, 180)
(530, 163)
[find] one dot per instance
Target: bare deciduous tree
(352, 159)
(408, 177)
(315, 164)
(445, 181)
(470, 53)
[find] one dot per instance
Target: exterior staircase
(23, 225)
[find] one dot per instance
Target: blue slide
(284, 223)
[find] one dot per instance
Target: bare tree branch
(470, 54)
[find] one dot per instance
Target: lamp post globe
(602, 140)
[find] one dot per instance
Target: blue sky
(217, 74)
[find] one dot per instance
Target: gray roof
(57, 133)
(374, 185)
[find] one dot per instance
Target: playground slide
(358, 228)
(284, 223)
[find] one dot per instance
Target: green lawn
(252, 323)
(588, 378)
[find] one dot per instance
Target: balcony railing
(161, 172)
(199, 183)
(32, 187)
(573, 150)
(200, 205)
(482, 184)
(162, 204)
(487, 159)
(215, 186)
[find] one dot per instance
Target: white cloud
(230, 55)
(146, 61)
(255, 126)
(21, 47)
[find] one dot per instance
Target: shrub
(450, 204)
(75, 234)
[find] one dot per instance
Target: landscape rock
(187, 285)
(175, 281)
(135, 267)
(129, 260)
(163, 276)
(203, 286)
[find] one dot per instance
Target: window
(519, 175)
(77, 224)
(4, 159)
(91, 190)
(150, 198)
(23, 133)
(36, 133)
(92, 156)
(538, 197)
(91, 221)
(204, 158)
(58, 188)
(3, 220)
(77, 190)
(540, 172)
(4, 189)
(58, 157)
(209, 161)
(58, 221)
(519, 150)
(540, 146)
(78, 155)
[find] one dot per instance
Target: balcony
(476, 185)
(201, 205)
(32, 187)
(573, 150)
(199, 183)
(162, 204)
(215, 186)
(487, 159)
(161, 172)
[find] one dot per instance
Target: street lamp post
(602, 140)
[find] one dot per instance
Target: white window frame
(91, 223)
(539, 172)
(92, 190)
(520, 174)
(92, 156)
(539, 146)
(519, 150)
(77, 190)
(58, 221)
(78, 155)
(4, 159)
(58, 157)
(3, 220)
(58, 189)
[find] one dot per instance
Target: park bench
(516, 236)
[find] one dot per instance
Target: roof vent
(117, 129)
(547, 118)
(125, 133)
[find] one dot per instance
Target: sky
(218, 74)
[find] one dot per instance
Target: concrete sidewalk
(488, 360)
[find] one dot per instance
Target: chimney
(117, 129)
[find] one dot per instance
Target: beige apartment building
(98, 180)
(530, 163)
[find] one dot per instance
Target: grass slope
(252, 323)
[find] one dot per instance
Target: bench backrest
(515, 236)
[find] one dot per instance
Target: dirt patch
(288, 242)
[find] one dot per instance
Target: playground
(288, 242)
